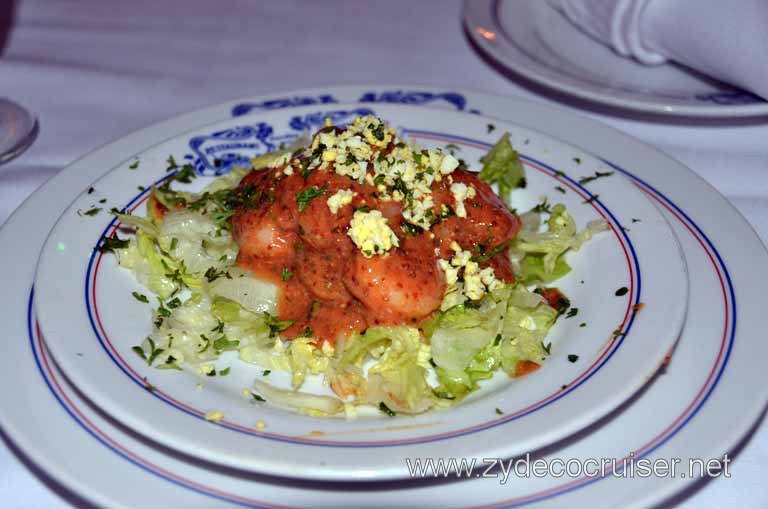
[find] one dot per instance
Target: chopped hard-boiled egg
(339, 199)
(371, 233)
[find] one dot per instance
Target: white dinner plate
(696, 408)
(537, 42)
(620, 339)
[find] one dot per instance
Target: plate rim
(476, 17)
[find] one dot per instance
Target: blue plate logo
(217, 153)
(285, 102)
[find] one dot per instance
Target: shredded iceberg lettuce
(540, 255)
(469, 344)
(502, 166)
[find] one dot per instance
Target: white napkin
(727, 40)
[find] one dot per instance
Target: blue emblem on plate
(312, 121)
(414, 97)
(285, 102)
(217, 153)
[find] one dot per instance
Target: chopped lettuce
(398, 377)
(502, 166)
(541, 254)
(470, 344)
(312, 404)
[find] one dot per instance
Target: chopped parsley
(224, 372)
(635, 220)
(140, 297)
(112, 243)
(186, 175)
(171, 164)
(154, 352)
(266, 372)
(591, 199)
(212, 274)
(622, 291)
(385, 409)
(133, 165)
(139, 351)
(170, 363)
(258, 398)
(572, 312)
(148, 386)
(206, 345)
(309, 194)
(542, 208)
(499, 411)
(572, 357)
(162, 310)
(577, 160)
(560, 189)
(276, 326)
(547, 348)
(411, 229)
(490, 128)
(485, 256)
(597, 175)
(90, 212)
(286, 274)
(452, 148)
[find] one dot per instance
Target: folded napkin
(725, 40)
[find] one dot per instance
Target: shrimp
(396, 286)
(261, 237)
(488, 222)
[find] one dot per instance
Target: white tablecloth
(94, 70)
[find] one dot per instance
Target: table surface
(93, 71)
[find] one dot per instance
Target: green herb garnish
(309, 194)
(223, 344)
(112, 243)
(384, 408)
(597, 175)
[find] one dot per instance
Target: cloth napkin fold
(725, 40)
